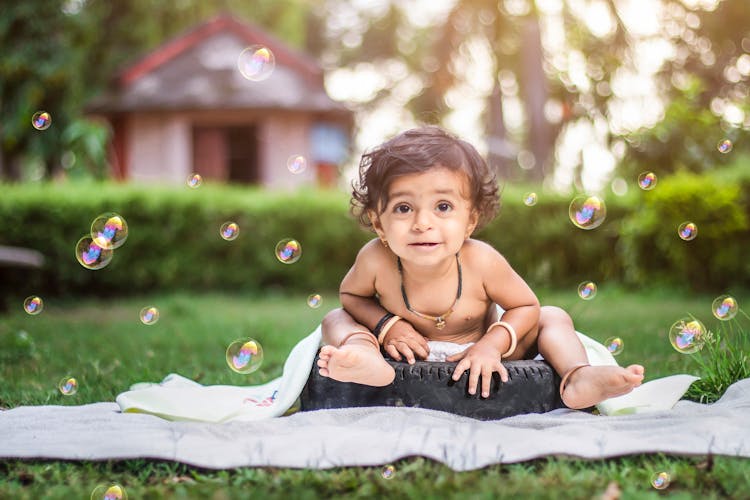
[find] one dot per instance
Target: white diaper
(440, 350)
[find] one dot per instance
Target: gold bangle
(370, 336)
(511, 331)
(386, 327)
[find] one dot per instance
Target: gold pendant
(439, 323)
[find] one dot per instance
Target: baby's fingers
(393, 352)
(460, 369)
(502, 371)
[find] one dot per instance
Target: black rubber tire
(532, 387)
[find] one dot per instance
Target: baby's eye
(402, 209)
(444, 206)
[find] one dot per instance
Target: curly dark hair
(415, 151)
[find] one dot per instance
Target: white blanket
(375, 436)
(178, 398)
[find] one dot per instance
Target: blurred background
(273, 96)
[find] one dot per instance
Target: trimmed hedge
(174, 240)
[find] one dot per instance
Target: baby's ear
(375, 220)
(473, 221)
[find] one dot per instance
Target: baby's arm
(357, 296)
(505, 287)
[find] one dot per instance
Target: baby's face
(428, 216)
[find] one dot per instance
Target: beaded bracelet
(511, 331)
(381, 322)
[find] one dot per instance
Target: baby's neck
(419, 274)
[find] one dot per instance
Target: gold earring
(385, 242)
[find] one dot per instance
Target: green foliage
(720, 207)
(174, 238)
(722, 361)
(685, 139)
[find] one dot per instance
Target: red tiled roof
(223, 23)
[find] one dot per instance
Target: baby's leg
(352, 353)
(585, 385)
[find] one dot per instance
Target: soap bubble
(149, 315)
(41, 120)
(256, 63)
(33, 305)
(724, 307)
(296, 164)
(314, 300)
(388, 471)
(660, 480)
(288, 251)
(687, 335)
(194, 181)
(229, 231)
(529, 199)
(68, 386)
(244, 355)
(614, 345)
(109, 230)
(587, 212)
(724, 146)
(647, 181)
(109, 492)
(92, 256)
(587, 290)
(687, 231)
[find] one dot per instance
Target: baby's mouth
(424, 244)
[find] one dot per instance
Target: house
(187, 108)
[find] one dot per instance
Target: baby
(425, 283)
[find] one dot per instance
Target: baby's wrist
(503, 336)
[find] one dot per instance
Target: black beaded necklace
(439, 320)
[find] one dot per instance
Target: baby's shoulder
(479, 252)
(373, 254)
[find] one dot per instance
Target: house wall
(159, 148)
(283, 135)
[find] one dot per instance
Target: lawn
(102, 343)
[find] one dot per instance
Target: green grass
(103, 344)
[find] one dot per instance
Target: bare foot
(590, 385)
(357, 363)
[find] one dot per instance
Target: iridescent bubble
(109, 492)
(614, 345)
(724, 307)
(529, 199)
(660, 480)
(256, 63)
(109, 230)
(687, 335)
(92, 256)
(687, 231)
(41, 120)
(244, 355)
(68, 386)
(296, 164)
(314, 300)
(388, 471)
(229, 231)
(33, 305)
(724, 146)
(647, 181)
(587, 212)
(587, 290)
(288, 251)
(194, 181)
(149, 315)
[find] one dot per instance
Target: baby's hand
(479, 360)
(402, 338)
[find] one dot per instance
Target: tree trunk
(500, 152)
(540, 139)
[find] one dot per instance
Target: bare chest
(434, 311)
